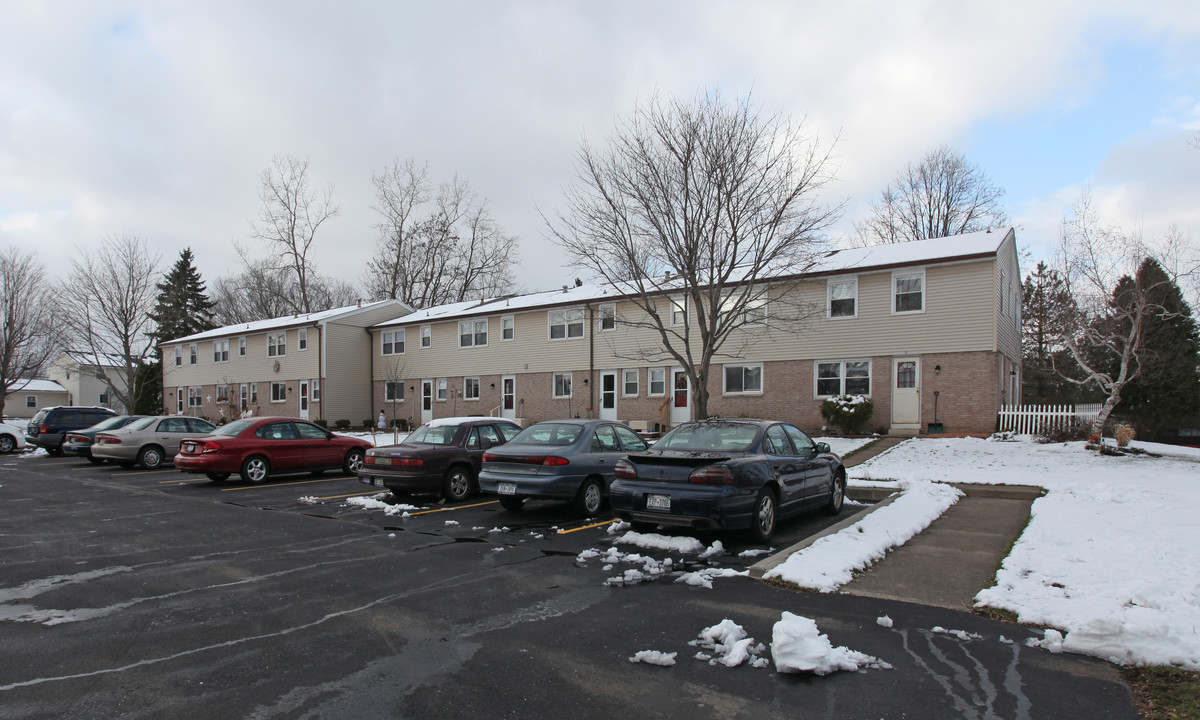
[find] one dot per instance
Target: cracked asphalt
(146, 595)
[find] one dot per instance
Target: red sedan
(259, 447)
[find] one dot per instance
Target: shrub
(368, 424)
(341, 424)
(1073, 430)
(322, 422)
(1124, 434)
(848, 412)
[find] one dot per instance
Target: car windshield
(723, 437)
(549, 434)
(232, 429)
(112, 422)
(432, 435)
(142, 424)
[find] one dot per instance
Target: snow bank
(830, 562)
(727, 644)
(654, 657)
(654, 541)
(374, 503)
(798, 646)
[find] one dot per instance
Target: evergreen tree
(1045, 301)
(183, 309)
(1167, 391)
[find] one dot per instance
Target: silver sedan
(148, 442)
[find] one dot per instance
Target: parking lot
(149, 594)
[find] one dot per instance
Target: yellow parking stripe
(186, 479)
(587, 527)
(456, 507)
(335, 497)
(299, 482)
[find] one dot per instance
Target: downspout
(321, 367)
(592, 361)
(371, 375)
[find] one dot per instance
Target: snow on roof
(102, 360)
(285, 321)
(37, 386)
(837, 261)
(438, 422)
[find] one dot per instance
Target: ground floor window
(843, 377)
(471, 388)
(31, 401)
(316, 390)
(656, 380)
(743, 379)
(629, 383)
(562, 385)
(393, 390)
(194, 396)
(223, 393)
(278, 392)
(441, 389)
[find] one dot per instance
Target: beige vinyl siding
(346, 389)
(256, 366)
(1008, 328)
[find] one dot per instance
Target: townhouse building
(313, 366)
(89, 379)
(28, 396)
(929, 330)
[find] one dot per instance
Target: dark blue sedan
(728, 475)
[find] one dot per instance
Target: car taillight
(625, 470)
(43, 428)
(714, 474)
(408, 462)
(553, 460)
(76, 438)
(210, 447)
(490, 457)
(106, 440)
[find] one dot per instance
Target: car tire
(255, 469)
(217, 477)
(150, 457)
(765, 516)
(353, 462)
(590, 498)
(837, 495)
(512, 502)
(95, 460)
(459, 484)
(7, 444)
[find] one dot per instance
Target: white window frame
(440, 393)
(678, 309)
(223, 394)
(302, 339)
(389, 390)
(426, 336)
(469, 384)
(242, 346)
(277, 344)
(220, 351)
(192, 357)
(243, 395)
(650, 382)
(178, 357)
(508, 328)
(608, 317)
(315, 384)
(567, 382)
(830, 285)
(897, 276)
(744, 367)
(390, 341)
(195, 396)
(31, 401)
(625, 382)
(282, 387)
(254, 392)
(568, 319)
(472, 337)
(842, 363)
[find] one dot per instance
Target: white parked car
(12, 438)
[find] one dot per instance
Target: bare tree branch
(27, 324)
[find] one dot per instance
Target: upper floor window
(843, 297)
(220, 351)
(242, 347)
(565, 323)
(393, 343)
(426, 336)
(679, 310)
(178, 358)
(608, 316)
(508, 327)
(302, 338)
(192, 354)
(908, 292)
(472, 333)
(753, 310)
(277, 344)
(743, 379)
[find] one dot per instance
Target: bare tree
(107, 303)
(27, 327)
(692, 209)
(262, 291)
(940, 196)
(436, 248)
(1104, 330)
(292, 213)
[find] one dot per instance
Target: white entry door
(608, 395)
(303, 399)
(508, 396)
(426, 400)
(906, 393)
(681, 397)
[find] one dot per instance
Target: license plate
(377, 482)
(507, 489)
(189, 447)
(383, 461)
(658, 502)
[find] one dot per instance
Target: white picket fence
(1034, 419)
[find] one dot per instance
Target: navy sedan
(728, 474)
(559, 460)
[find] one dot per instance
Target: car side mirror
(823, 447)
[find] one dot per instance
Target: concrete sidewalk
(951, 560)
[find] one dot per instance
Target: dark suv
(47, 428)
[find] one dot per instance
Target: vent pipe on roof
(564, 288)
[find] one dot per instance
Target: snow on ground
(843, 445)
(1111, 555)
(376, 503)
(798, 646)
(831, 561)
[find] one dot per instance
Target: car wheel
(589, 498)
(511, 502)
(7, 444)
(837, 495)
(217, 477)
(353, 462)
(95, 460)
(458, 484)
(151, 457)
(766, 514)
(255, 469)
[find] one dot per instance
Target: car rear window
(709, 436)
(142, 424)
(109, 423)
(233, 429)
(557, 434)
(433, 435)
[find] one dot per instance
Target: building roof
(287, 321)
(37, 386)
(853, 260)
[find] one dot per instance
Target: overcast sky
(156, 118)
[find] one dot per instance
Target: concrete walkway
(951, 560)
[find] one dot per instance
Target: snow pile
(798, 646)
(703, 578)
(884, 621)
(728, 644)
(960, 634)
(1111, 555)
(654, 541)
(1052, 640)
(830, 562)
(654, 657)
(715, 549)
(618, 526)
(374, 503)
